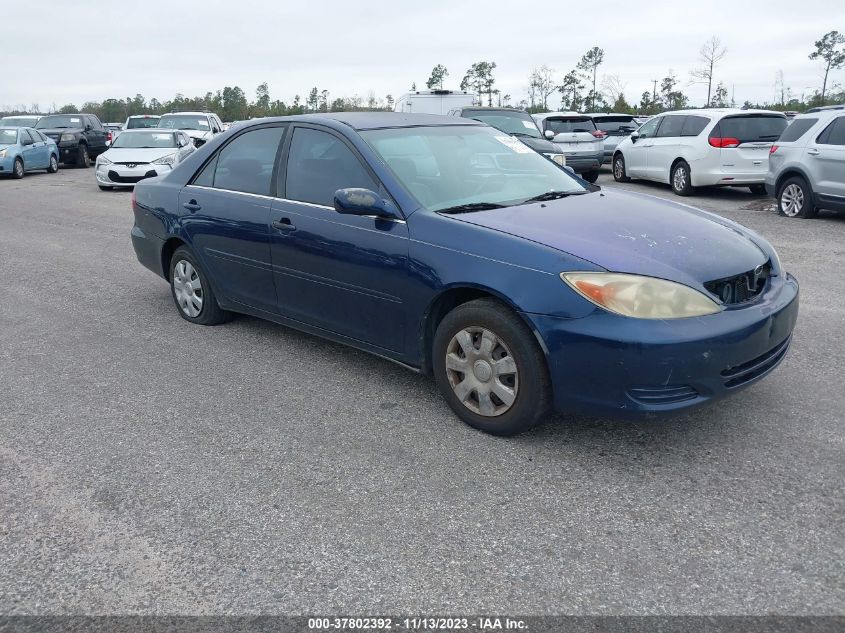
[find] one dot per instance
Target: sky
(160, 48)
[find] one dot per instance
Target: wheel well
(675, 162)
(786, 175)
(167, 251)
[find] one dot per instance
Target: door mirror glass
(356, 201)
(27, 141)
(549, 134)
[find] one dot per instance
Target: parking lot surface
(151, 466)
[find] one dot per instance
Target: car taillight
(599, 134)
(108, 138)
(773, 149)
(726, 141)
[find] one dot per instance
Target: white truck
(434, 101)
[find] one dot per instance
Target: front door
(343, 273)
(636, 156)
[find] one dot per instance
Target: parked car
(697, 148)
(24, 149)
(433, 101)
(429, 241)
(516, 123)
(20, 120)
(141, 121)
(578, 138)
(141, 153)
(80, 137)
(200, 126)
(807, 165)
(616, 127)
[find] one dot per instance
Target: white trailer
(434, 101)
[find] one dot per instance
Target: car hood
(632, 233)
(138, 154)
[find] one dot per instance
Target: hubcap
(18, 168)
(53, 163)
(792, 200)
(617, 168)
(187, 288)
(481, 371)
(679, 180)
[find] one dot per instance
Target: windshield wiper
(554, 195)
(472, 206)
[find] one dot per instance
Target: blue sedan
(24, 149)
(453, 249)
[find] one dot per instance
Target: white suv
(699, 148)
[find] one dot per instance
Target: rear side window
(319, 164)
(570, 125)
(834, 134)
(796, 130)
(671, 126)
(694, 125)
(246, 164)
(750, 128)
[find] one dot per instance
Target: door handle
(813, 152)
(284, 225)
(192, 206)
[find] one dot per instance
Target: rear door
(31, 150)
(826, 159)
(744, 141)
(574, 135)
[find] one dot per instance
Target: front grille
(133, 164)
(741, 374)
(115, 177)
(663, 394)
(741, 288)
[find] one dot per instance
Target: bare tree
(613, 86)
(780, 88)
(541, 84)
(711, 53)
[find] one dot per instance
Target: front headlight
(170, 159)
(560, 159)
(2, 153)
(102, 160)
(67, 137)
(640, 297)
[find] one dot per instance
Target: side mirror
(88, 128)
(634, 136)
(549, 134)
(27, 141)
(354, 201)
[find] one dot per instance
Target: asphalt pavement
(151, 466)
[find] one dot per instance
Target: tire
(795, 199)
(479, 403)
(680, 179)
(18, 169)
(105, 188)
(619, 173)
(758, 190)
(83, 158)
(591, 176)
(53, 167)
(196, 307)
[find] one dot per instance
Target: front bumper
(114, 175)
(6, 164)
(605, 364)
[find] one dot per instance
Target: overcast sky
(160, 48)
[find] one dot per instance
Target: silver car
(139, 154)
(577, 138)
(807, 165)
(615, 127)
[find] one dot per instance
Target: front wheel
(17, 169)
(192, 292)
(681, 184)
(53, 167)
(795, 200)
(619, 173)
(489, 368)
(591, 176)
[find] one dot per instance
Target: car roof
(382, 120)
(173, 113)
(547, 115)
(150, 129)
(493, 108)
(721, 111)
(822, 115)
(152, 116)
(598, 115)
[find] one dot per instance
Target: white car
(699, 148)
(139, 154)
(200, 126)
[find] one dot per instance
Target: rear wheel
(795, 199)
(489, 368)
(17, 169)
(192, 292)
(619, 173)
(83, 158)
(681, 179)
(758, 190)
(591, 176)
(53, 167)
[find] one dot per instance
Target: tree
(720, 96)
(438, 74)
(541, 84)
(570, 91)
(414, 86)
(711, 53)
(480, 78)
(389, 101)
(262, 100)
(614, 87)
(313, 99)
(68, 109)
(672, 99)
(324, 101)
(833, 57)
(589, 65)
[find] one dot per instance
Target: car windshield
(516, 123)
(143, 122)
(145, 139)
(616, 126)
(8, 137)
(184, 122)
(19, 121)
(59, 121)
(455, 165)
(570, 125)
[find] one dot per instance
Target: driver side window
(650, 128)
